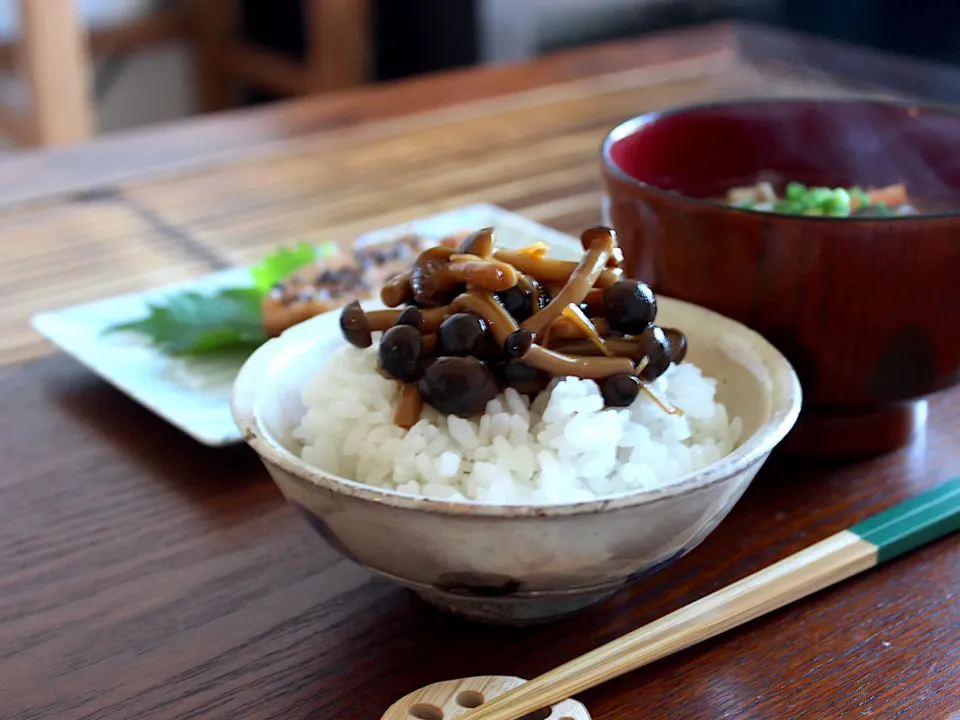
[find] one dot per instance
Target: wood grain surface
(143, 576)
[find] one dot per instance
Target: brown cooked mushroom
(397, 290)
(550, 271)
(459, 386)
(538, 295)
(448, 286)
(518, 343)
(412, 316)
(409, 407)
(588, 236)
(574, 314)
(430, 278)
(580, 282)
(355, 326)
(592, 368)
(380, 320)
(459, 257)
(620, 347)
(491, 275)
(481, 243)
(525, 298)
(439, 275)
(565, 329)
(484, 305)
(678, 344)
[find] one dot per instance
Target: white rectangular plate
(194, 394)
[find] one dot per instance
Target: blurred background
(157, 60)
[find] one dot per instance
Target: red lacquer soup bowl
(866, 308)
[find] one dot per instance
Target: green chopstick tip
(914, 522)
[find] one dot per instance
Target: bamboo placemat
(70, 252)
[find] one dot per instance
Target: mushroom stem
(608, 277)
(589, 368)
(661, 401)
(483, 304)
(580, 282)
(565, 329)
(546, 337)
(380, 320)
(620, 347)
(550, 270)
(491, 275)
(396, 291)
(530, 287)
(409, 407)
(575, 314)
(433, 317)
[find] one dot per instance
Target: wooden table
(143, 576)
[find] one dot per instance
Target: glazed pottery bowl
(864, 308)
(518, 564)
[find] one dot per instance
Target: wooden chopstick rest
(453, 698)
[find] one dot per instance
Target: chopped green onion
(819, 196)
(838, 204)
(799, 199)
(795, 191)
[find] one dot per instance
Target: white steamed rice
(563, 447)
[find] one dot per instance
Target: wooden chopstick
(878, 539)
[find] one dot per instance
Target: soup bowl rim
(633, 125)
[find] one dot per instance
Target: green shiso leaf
(195, 323)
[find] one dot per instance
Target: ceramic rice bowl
(519, 564)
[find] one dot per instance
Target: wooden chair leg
(55, 61)
(214, 31)
(339, 42)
